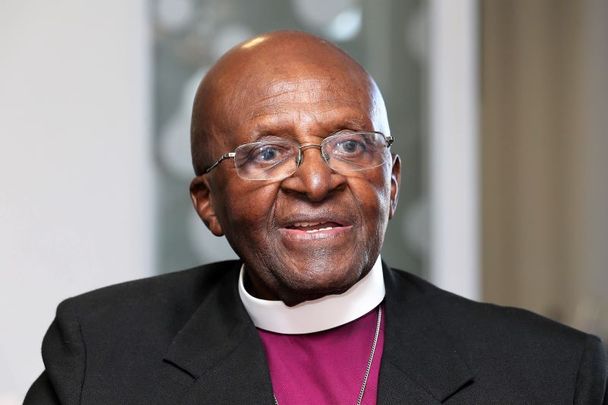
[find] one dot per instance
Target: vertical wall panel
(75, 200)
(541, 170)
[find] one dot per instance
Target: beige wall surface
(543, 143)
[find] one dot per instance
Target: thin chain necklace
(370, 360)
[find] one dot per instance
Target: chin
(306, 285)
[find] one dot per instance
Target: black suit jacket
(185, 338)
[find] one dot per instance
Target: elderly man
(291, 149)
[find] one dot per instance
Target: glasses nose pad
(325, 155)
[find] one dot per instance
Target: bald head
(266, 66)
(264, 96)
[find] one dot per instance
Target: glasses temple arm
(227, 155)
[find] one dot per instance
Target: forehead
(320, 96)
(301, 99)
(296, 91)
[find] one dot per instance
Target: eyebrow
(269, 130)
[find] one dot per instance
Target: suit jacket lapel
(220, 348)
(420, 363)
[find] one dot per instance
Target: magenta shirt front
(325, 367)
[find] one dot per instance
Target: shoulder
(192, 282)
(498, 342)
(455, 311)
(105, 337)
(163, 299)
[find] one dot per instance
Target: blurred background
(499, 108)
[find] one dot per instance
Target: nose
(313, 177)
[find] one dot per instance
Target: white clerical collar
(320, 314)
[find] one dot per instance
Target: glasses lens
(266, 160)
(352, 151)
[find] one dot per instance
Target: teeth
(320, 229)
(306, 224)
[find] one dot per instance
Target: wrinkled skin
(296, 86)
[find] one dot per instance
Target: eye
(351, 146)
(268, 154)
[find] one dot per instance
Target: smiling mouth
(314, 227)
(315, 231)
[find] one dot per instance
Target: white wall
(75, 188)
(453, 146)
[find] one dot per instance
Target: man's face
(316, 232)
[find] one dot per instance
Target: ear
(200, 193)
(395, 179)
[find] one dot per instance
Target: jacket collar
(220, 344)
(420, 358)
(220, 348)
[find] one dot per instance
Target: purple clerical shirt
(325, 367)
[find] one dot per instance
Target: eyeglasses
(277, 158)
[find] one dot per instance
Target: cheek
(247, 207)
(373, 196)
